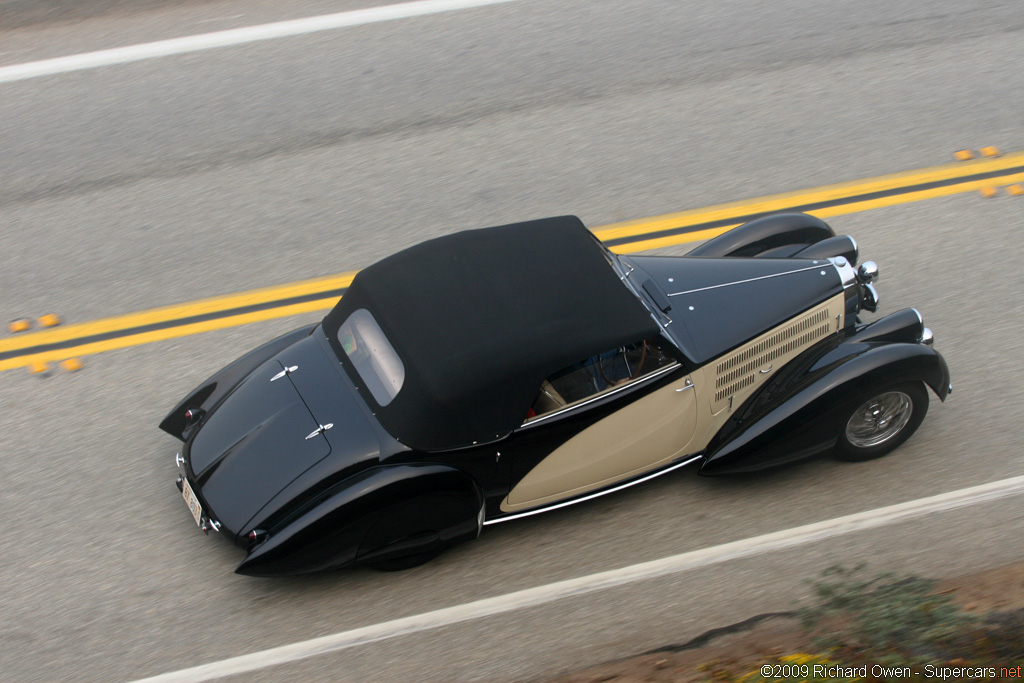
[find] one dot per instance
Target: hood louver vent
(758, 359)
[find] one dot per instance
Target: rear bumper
(208, 520)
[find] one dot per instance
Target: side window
(599, 374)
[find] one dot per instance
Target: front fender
(804, 413)
(427, 504)
(210, 393)
(773, 233)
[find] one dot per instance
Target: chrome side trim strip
(817, 266)
(598, 494)
(599, 397)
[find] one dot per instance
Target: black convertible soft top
(480, 318)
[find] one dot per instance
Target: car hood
(719, 303)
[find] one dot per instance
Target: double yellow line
(823, 202)
(631, 236)
(169, 322)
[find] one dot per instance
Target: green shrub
(885, 629)
(887, 620)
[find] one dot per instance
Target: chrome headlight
(868, 272)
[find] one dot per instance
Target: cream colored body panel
(727, 382)
(645, 434)
(738, 374)
(668, 424)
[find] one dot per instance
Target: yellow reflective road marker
(49, 320)
(39, 367)
(71, 365)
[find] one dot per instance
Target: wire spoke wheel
(879, 419)
(882, 422)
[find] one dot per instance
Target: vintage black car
(498, 373)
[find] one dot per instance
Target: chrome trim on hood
(817, 266)
(847, 273)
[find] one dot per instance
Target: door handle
(689, 385)
(765, 372)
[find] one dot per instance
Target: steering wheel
(633, 375)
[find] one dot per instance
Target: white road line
(236, 36)
(540, 595)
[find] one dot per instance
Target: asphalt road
(133, 186)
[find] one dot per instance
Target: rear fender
(775, 232)
(210, 393)
(378, 513)
(802, 414)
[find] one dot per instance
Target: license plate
(193, 503)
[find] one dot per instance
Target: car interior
(598, 374)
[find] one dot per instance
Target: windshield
(372, 355)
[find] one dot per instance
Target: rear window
(372, 355)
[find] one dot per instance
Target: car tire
(415, 531)
(398, 564)
(882, 421)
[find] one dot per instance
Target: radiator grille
(740, 370)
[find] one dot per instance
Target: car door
(643, 435)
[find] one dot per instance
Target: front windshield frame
(623, 267)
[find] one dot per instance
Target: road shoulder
(744, 646)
